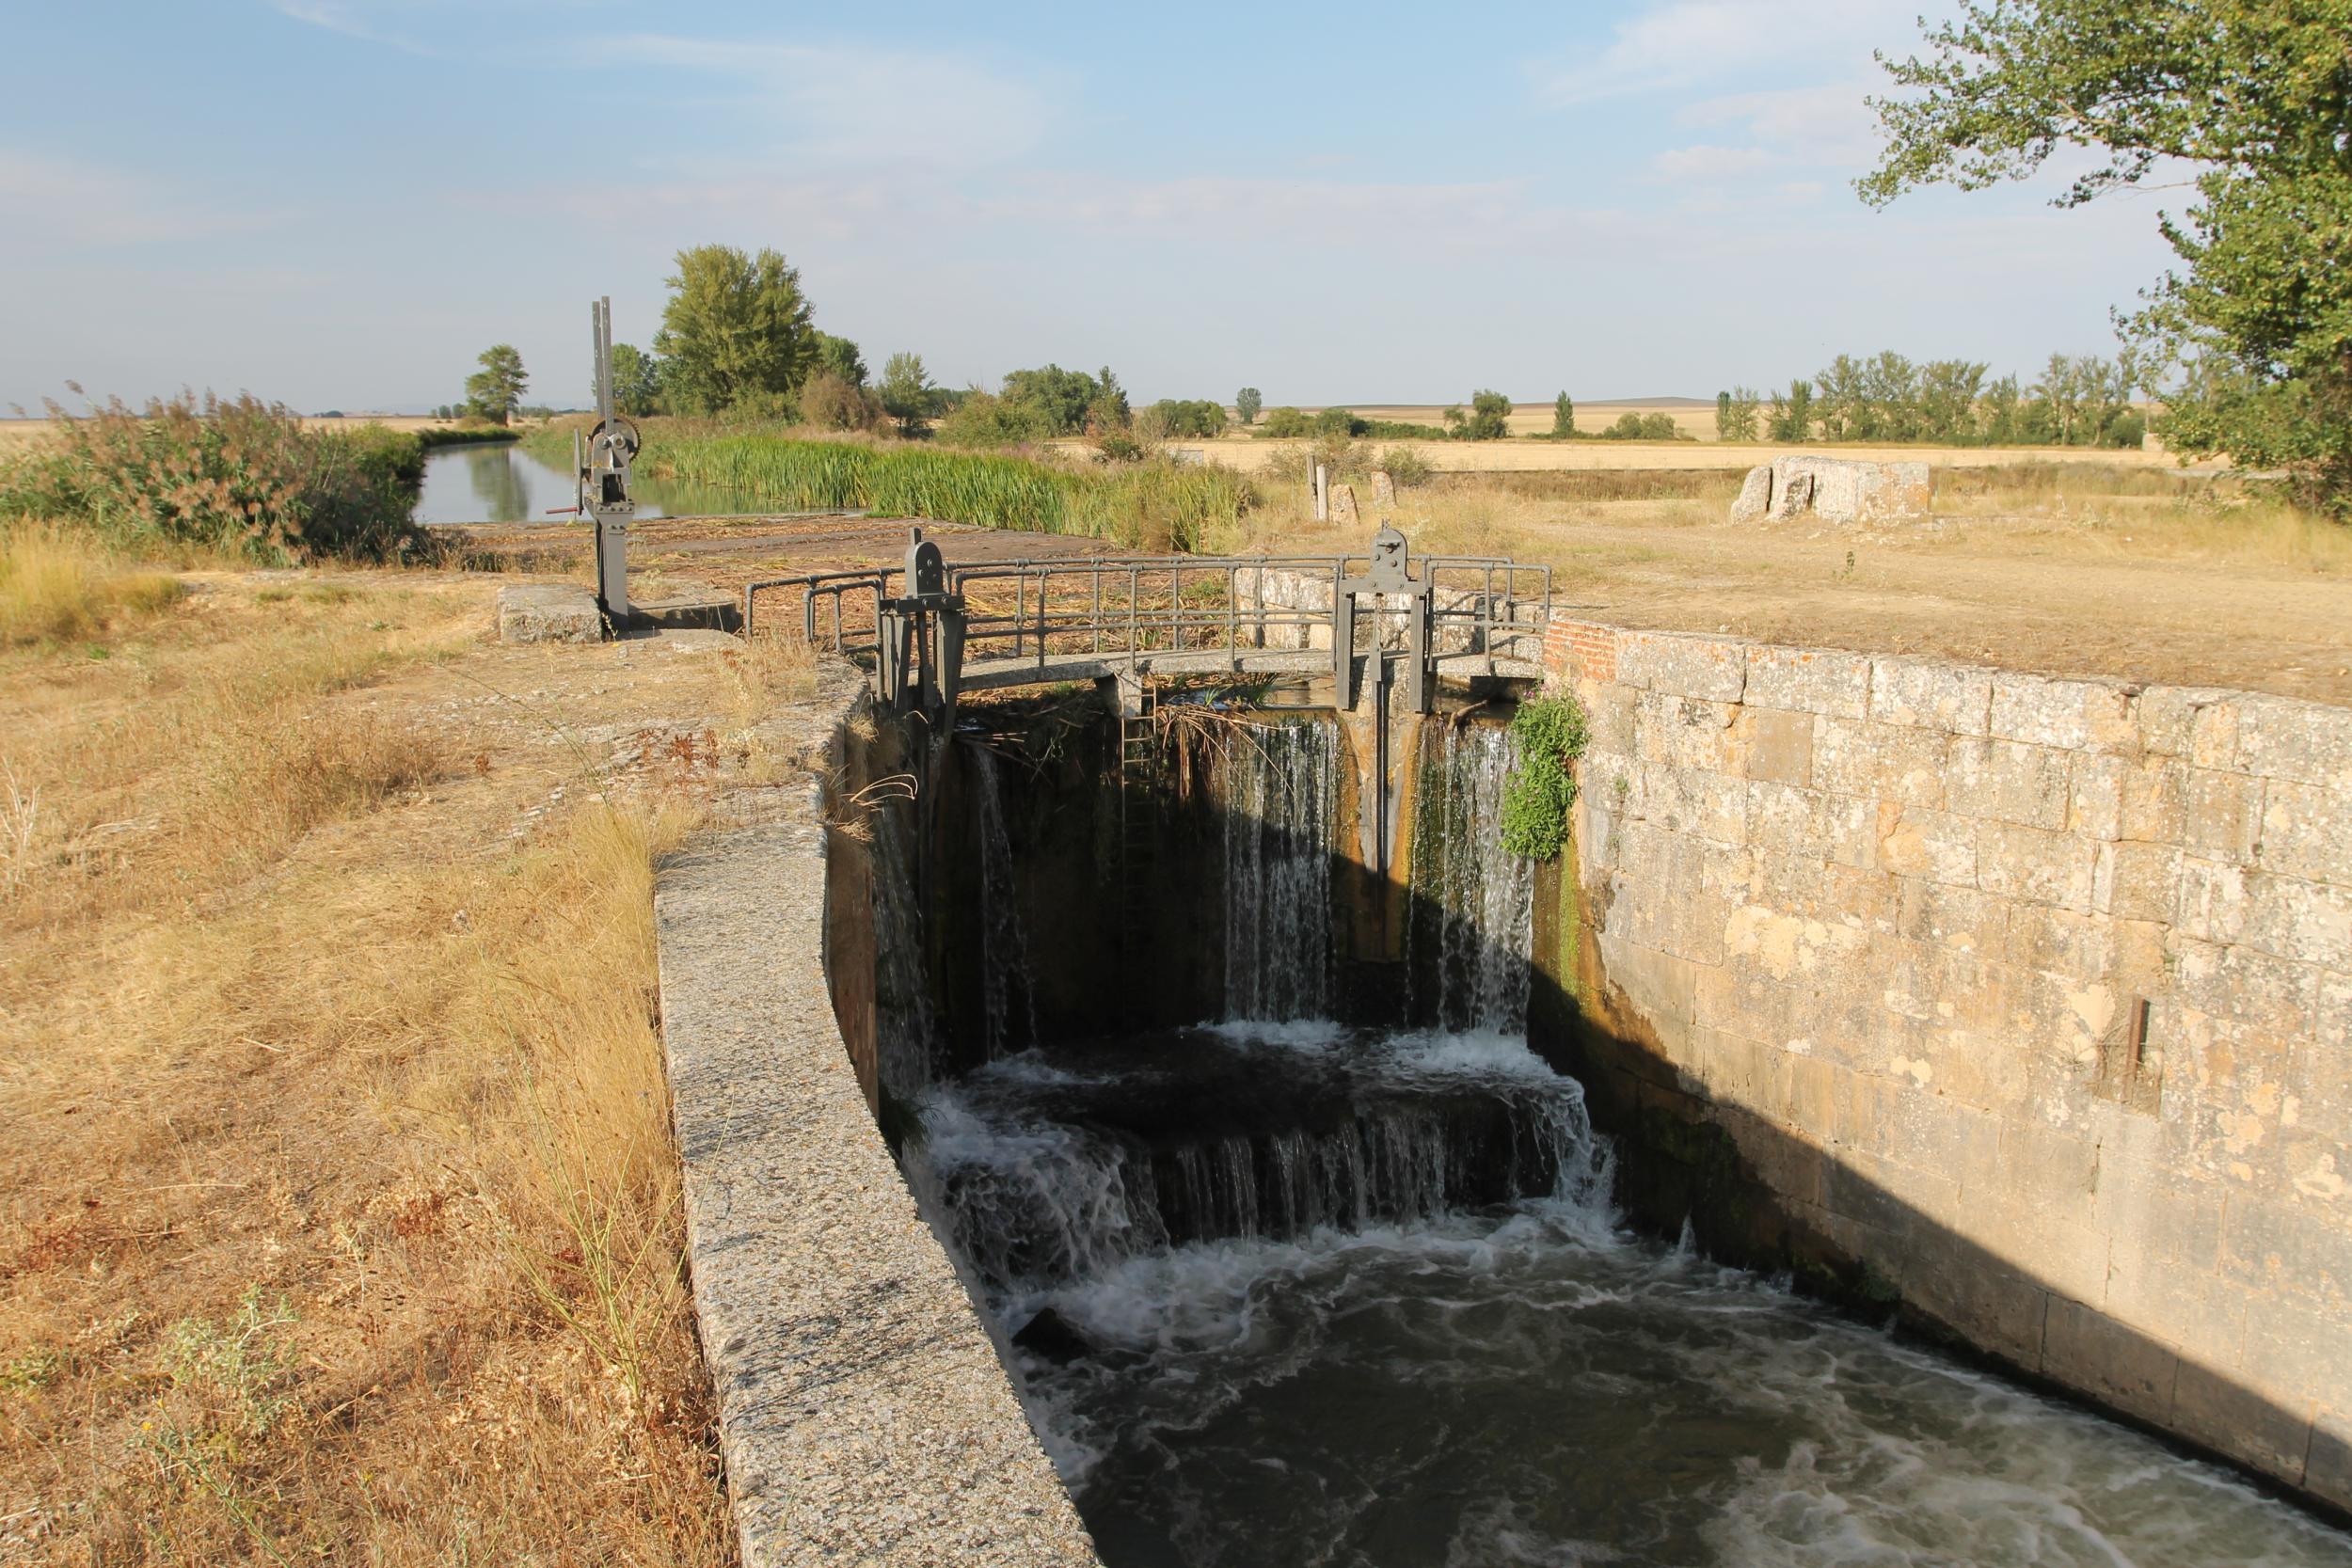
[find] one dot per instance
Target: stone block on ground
(1344, 511)
(1756, 496)
(1383, 488)
(548, 612)
(1841, 490)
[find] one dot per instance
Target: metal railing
(1125, 607)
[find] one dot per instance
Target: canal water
(500, 482)
(1281, 1292)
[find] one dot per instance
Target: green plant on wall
(1550, 735)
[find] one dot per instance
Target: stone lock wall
(2031, 999)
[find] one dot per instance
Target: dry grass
(2106, 568)
(339, 1217)
(57, 585)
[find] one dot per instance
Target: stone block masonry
(2026, 1000)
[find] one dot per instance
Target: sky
(339, 203)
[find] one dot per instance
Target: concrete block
(1785, 818)
(2167, 718)
(548, 612)
(1809, 680)
(1689, 731)
(1843, 490)
(1686, 800)
(1926, 694)
(2210, 1405)
(2307, 743)
(1661, 985)
(2166, 1294)
(2062, 942)
(2212, 903)
(1953, 916)
(2305, 832)
(2213, 734)
(2118, 1366)
(1744, 1000)
(2030, 864)
(2136, 881)
(1849, 830)
(2136, 797)
(2294, 1354)
(1964, 1287)
(2238, 983)
(1813, 1091)
(1713, 668)
(2222, 816)
(2005, 780)
(1756, 496)
(1608, 719)
(2288, 917)
(1779, 746)
(2290, 1249)
(2327, 1467)
(1916, 841)
(1880, 762)
(2074, 715)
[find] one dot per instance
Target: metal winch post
(604, 489)
(921, 636)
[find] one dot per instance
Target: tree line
(2077, 401)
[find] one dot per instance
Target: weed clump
(1551, 735)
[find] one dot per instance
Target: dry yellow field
(1249, 454)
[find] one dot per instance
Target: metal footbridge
(1387, 622)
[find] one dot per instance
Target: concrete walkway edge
(863, 1415)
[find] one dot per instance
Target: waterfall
(1040, 1176)
(906, 1026)
(1467, 957)
(1008, 985)
(1280, 795)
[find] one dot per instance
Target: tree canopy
(2255, 97)
(636, 380)
(736, 329)
(496, 391)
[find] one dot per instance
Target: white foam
(1311, 1037)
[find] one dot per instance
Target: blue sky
(340, 202)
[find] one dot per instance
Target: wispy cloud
(355, 18)
(1704, 165)
(49, 205)
(849, 103)
(1686, 43)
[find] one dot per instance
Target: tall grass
(1151, 505)
(57, 586)
(235, 475)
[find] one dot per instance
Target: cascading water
(1474, 910)
(1280, 786)
(1008, 987)
(1280, 1292)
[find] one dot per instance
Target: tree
(1563, 417)
(1246, 404)
(2254, 95)
(907, 393)
(1734, 414)
(736, 328)
(1488, 419)
(1792, 416)
(840, 357)
(636, 380)
(496, 391)
(1059, 398)
(830, 402)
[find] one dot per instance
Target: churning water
(1283, 1293)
